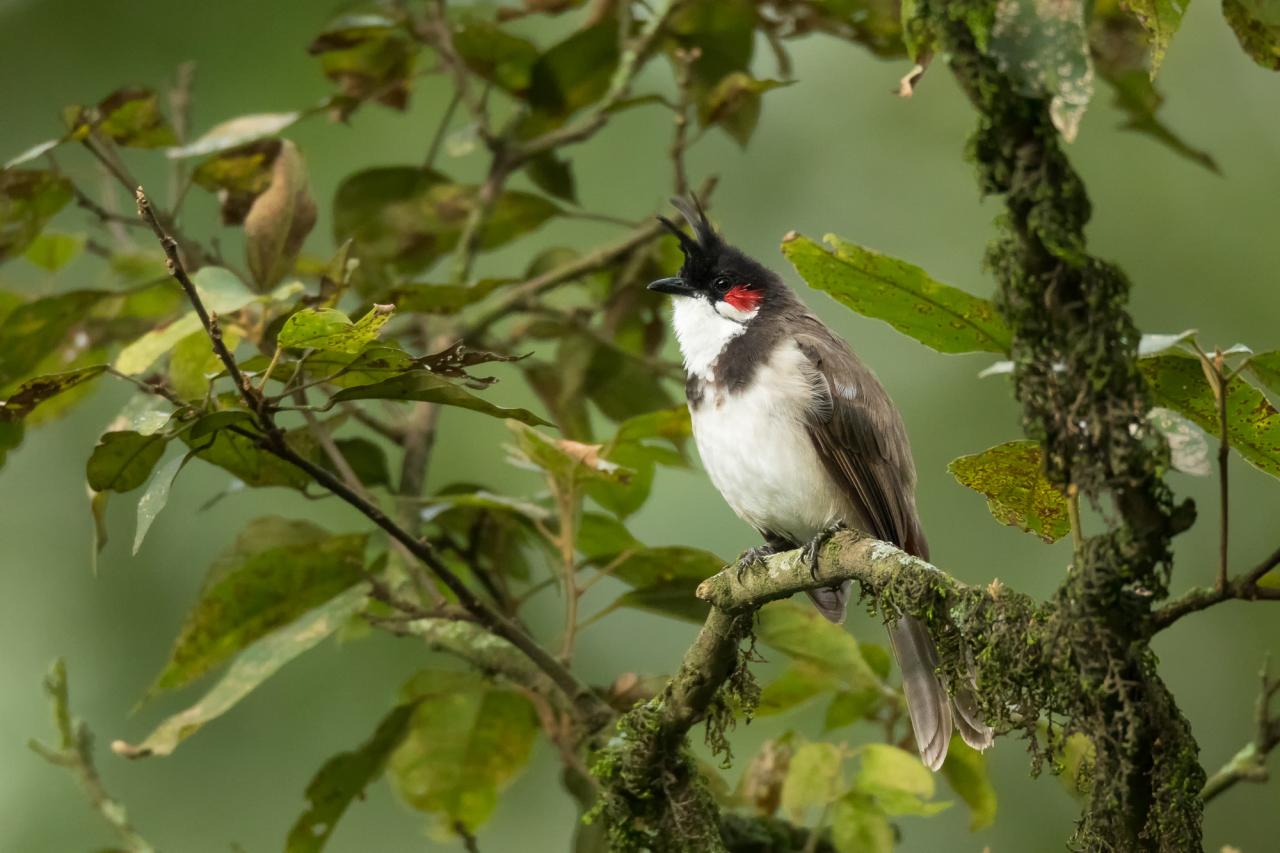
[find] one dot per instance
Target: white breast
(759, 456)
(703, 331)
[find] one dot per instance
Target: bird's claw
(751, 556)
(809, 553)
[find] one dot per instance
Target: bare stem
(75, 752)
(1250, 763)
(592, 710)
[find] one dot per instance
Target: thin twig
(680, 140)
(75, 752)
(594, 711)
(1250, 763)
(1220, 388)
(527, 293)
(442, 129)
(1244, 588)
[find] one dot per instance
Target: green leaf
(1253, 424)
(29, 198)
(802, 634)
(156, 496)
(33, 392)
(130, 117)
(734, 104)
(343, 779)
(123, 460)
(239, 176)
(234, 133)
(220, 290)
(467, 741)
(554, 176)
(367, 459)
(1011, 476)
(277, 570)
(857, 826)
(1042, 45)
(849, 706)
(279, 219)
(192, 363)
(723, 31)
(797, 684)
(367, 56)
(1257, 27)
(98, 510)
(494, 54)
(648, 566)
(426, 387)
(897, 780)
(34, 330)
(444, 298)
(1137, 98)
(241, 454)
(52, 251)
(673, 599)
(11, 433)
(252, 667)
(814, 779)
(1265, 367)
(966, 772)
(573, 74)
(904, 296)
(1161, 19)
(406, 218)
(330, 329)
(602, 535)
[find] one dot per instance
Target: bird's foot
(751, 556)
(813, 547)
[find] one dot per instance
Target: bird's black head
(714, 270)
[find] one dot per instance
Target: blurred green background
(836, 152)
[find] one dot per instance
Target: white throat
(704, 329)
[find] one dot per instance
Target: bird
(801, 440)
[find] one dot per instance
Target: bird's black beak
(675, 286)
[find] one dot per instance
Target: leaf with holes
(1011, 476)
(904, 296)
(331, 330)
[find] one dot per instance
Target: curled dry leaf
(279, 219)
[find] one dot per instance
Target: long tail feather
(832, 602)
(927, 701)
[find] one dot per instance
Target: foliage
(321, 366)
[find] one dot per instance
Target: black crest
(704, 247)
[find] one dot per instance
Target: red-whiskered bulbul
(800, 439)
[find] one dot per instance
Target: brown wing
(860, 438)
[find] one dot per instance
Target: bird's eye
(721, 282)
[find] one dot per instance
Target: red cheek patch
(743, 298)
